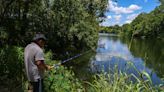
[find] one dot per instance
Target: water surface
(112, 51)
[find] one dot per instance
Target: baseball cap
(39, 36)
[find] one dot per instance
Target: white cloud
(109, 17)
(117, 20)
(113, 6)
(112, 20)
(130, 18)
(128, 21)
(133, 7)
(105, 23)
(118, 12)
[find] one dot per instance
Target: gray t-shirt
(33, 53)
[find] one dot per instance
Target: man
(34, 63)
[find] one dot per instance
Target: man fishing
(34, 63)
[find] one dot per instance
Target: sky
(125, 11)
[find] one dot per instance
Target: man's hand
(49, 67)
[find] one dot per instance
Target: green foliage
(3, 34)
(113, 29)
(148, 25)
(11, 59)
(69, 25)
(62, 80)
(11, 69)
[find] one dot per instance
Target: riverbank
(62, 79)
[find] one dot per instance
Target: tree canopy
(68, 24)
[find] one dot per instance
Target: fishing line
(64, 61)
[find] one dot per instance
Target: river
(125, 54)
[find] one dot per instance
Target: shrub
(11, 60)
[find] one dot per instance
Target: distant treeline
(144, 25)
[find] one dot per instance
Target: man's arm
(41, 65)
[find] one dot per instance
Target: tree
(68, 24)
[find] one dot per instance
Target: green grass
(63, 80)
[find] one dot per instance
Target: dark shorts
(37, 86)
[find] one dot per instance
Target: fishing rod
(64, 61)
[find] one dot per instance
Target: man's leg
(34, 86)
(42, 83)
(37, 86)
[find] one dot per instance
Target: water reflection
(112, 48)
(112, 51)
(152, 51)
